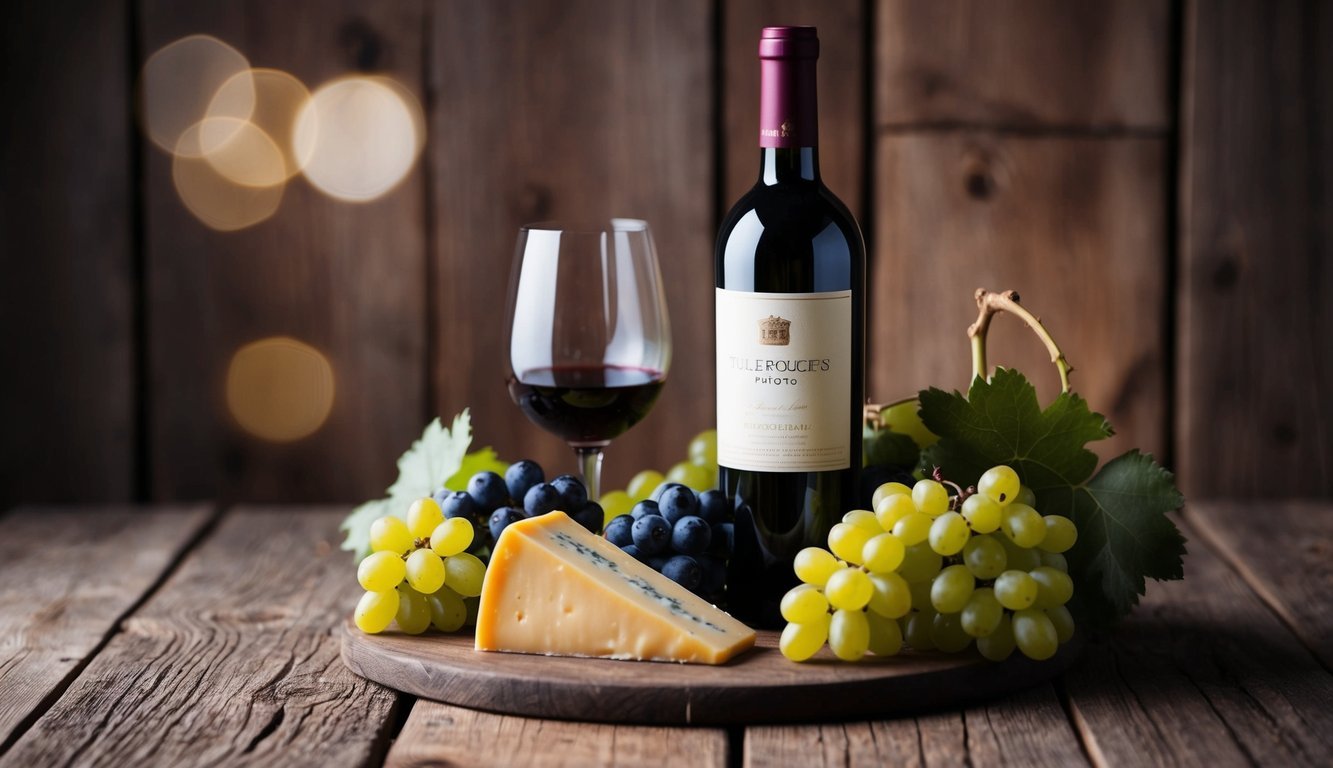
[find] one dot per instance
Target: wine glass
(589, 338)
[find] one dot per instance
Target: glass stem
(590, 464)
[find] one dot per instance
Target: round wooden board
(760, 686)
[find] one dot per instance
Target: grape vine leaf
(885, 447)
(1124, 534)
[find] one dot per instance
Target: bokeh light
(242, 152)
(280, 389)
(275, 99)
(357, 138)
(179, 82)
(214, 199)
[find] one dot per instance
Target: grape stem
(991, 303)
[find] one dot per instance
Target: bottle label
(784, 381)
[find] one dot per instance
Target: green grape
(703, 449)
(413, 611)
(949, 533)
(1060, 534)
(920, 625)
(1063, 621)
(696, 477)
(951, 589)
(892, 597)
(905, 417)
(893, 508)
(452, 536)
(913, 529)
(930, 497)
(614, 504)
(919, 591)
(863, 518)
(389, 534)
(447, 611)
(883, 553)
(1054, 560)
(1035, 634)
(982, 613)
(999, 644)
(375, 610)
(984, 557)
(1026, 496)
(886, 637)
(465, 574)
(473, 605)
(849, 635)
(642, 485)
(982, 514)
(849, 589)
(946, 633)
(920, 563)
(847, 541)
(814, 565)
(423, 516)
(888, 489)
(1000, 483)
(804, 603)
(1053, 587)
(425, 571)
(801, 641)
(1016, 590)
(1023, 525)
(1019, 558)
(381, 571)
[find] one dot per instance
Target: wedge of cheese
(554, 588)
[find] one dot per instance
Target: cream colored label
(784, 372)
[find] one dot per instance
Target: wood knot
(533, 202)
(362, 46)
(1226, 273)
(979, 184)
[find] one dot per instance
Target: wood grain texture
(568, 110)
(1025, 729)
(67, 335)
(439, 734)
(233, 661)
(1255, 374)
(1075, 224)
(1203, 673)
(756, 687)
(841, 75)
(1284, 551)
(67, 577)
(344, 278)
(1024, 63)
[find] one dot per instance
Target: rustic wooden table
(190, 636)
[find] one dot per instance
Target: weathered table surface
(193, 636)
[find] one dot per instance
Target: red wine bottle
(790, 323)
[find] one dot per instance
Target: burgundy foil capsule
(787, 109)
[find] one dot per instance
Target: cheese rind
(554, 588)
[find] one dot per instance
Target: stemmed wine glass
(589, 338)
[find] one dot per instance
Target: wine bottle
(790, 317)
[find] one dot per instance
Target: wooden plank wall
(1153, 177)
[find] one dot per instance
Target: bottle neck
(783, 164)
(788, 128)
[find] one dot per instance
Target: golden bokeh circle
(280, 389)
(179, 82)
(214, 199)
(357, 138)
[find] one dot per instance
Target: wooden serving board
(760, 686)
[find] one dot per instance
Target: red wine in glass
(587, 405)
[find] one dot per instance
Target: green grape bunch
(419, 573)
(934, 571)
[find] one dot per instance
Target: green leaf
(484, 460)
(1124, 534)
(882, 447)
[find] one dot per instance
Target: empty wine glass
(589, 338)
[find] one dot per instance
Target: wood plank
(1077, 225)
(344, 278)
(1026, 729)
(68, 575)
(439, 734)
(1257, 198)
(67, 298)
(841, 74)
(1283, 551)
(1238, 686)
(568, 110)
(1025, 63)
(232, 661)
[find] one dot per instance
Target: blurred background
(1154, 177)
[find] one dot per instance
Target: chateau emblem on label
(774, 331)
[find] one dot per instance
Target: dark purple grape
(540, 499)
(691, 535)
(645, 507)
(521, 476)
(488, 490)
(684, 570)
(502, 518)
(652, 534)
(620, 531)
(590, 517)
(572, 493)
(713, 506)
(677, 503)
(459, 504)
